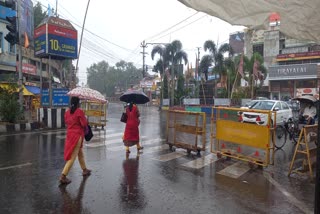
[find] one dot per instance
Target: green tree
(217, 54)
(181, 91)
(9, 104)
(165, 87)
(248, 72)
(106, 79)
(205, 63)
(38, 14)
(171, 54)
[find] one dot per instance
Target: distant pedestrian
(76, 123)
(131, 133)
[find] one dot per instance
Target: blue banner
(60, 97)
(45, 97)
(40, 45)
(61, 46)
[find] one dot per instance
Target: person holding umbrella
(76, 122)
(131, 132)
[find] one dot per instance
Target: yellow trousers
(76, 152)
(138, 146)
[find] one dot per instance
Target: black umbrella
(138, 97)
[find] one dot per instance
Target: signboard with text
(45, 100)
(293, 71)
(56, 38)
(28, 68)
(60, 97)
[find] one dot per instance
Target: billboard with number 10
(56, 37)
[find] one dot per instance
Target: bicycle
(289, 129)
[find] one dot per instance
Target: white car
(284, 112)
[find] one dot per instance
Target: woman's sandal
(86, 172)
(64, 180)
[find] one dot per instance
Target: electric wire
(156, 35)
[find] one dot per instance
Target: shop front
(287, 80)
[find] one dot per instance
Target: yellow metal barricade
(306, 146)
(186, 130)
(234, 137)
(96, 113)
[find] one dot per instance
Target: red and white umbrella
(87, 94)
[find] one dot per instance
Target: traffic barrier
(186, 130)
(249, 140)
(307, 146)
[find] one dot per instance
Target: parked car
(283, 110)
(249, 104)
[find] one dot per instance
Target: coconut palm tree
(171, 54)
(205, 63)
(248, 71)
(217, 54)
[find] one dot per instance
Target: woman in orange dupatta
(76, 123)
(131, 133)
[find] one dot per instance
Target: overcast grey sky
(119, 26)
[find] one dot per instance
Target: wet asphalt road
(156, 181)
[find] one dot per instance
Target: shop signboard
(45, 100)
(56, 38)
(60, 97)
(293, 71)
(298, 56)
(28, 68)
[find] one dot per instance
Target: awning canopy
(299, 19)
(33, 89)
(24, 90)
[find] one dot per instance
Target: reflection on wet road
(156, 181)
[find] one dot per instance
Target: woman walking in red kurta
(131, 133)
(76, 123)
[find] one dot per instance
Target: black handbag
(124, 117)
(88, 134)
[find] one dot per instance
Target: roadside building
(292, 64)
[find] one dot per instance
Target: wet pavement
(156, 181)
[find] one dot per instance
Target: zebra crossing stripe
(119, 140)
(156, 149)
(102, 131)
(143, 143)
(115, 134)
(55, 132)
(235, 170)
(94, 145)
(170, 156)
(201, 162)
(61, 137)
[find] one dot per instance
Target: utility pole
(143, 45)
(84, 22)
(18, 7)
(197, 69)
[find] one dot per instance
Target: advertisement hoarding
(56, 38)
